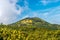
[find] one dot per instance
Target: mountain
(31, 21)
(35, 22)
(30, 29)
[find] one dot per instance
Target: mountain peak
(35, 21)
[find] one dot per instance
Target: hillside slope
(35, 22)
(30, 29)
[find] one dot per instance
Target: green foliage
(33, 29)
(28, 33)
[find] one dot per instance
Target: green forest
(30, 29)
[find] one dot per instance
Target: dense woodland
(30, 29)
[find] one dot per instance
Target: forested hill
(35, 22)
(30, 29)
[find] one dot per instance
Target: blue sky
(15, 10)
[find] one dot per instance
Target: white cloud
(55, 19)
(53, 15)
(45, 2)
(8, 11)
(45, 14)
(25, 16)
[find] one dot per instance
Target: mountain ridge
(35, 22)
